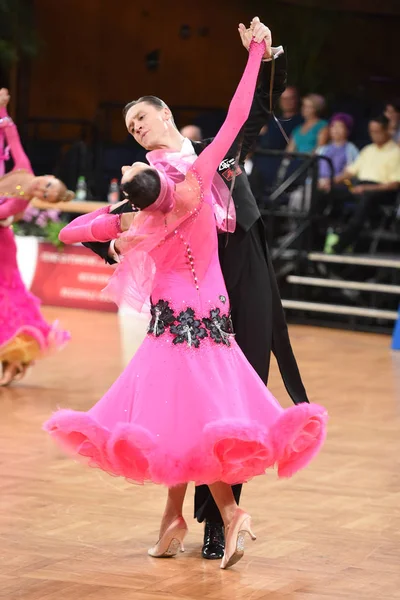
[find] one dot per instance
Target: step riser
(348, 285)
(348, 259)
(339, 309)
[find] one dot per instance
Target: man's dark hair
(144, 189)
(382, 120)
(153, 100)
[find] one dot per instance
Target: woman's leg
(237, 523)
(173, 508)
(225, 500)
(205, 508)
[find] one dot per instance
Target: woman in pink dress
(188, 407)
(24, 335)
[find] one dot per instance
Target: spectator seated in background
(305, 139)
(340, 151)
(314, 131)
(392, 113)
(192, 132)
(377, 172)
(271, 138)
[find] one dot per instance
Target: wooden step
(350, 259)
(347, 285)
(339, 309)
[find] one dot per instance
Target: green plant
(53, 231)
(41, 223)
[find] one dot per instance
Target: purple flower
(30, 213)
(42, 220)
(53, 215)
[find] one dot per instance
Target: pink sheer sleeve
(239, 109)
(21, 161)
(11, 206)
(98, 226)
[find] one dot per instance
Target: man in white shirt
(377, 171)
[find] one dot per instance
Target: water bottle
(113, 192)
(81, 189)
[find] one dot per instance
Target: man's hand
(4, 97)
(324, 184)
(358, 189)
(117, 246)
(127, 220)
(257, 31)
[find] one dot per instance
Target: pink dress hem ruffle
(231, 451)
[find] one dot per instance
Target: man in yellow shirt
(377, 171)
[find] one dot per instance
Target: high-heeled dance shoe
(235, 534)
(171, 541)
(12, 372)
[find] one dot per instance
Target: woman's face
(338, 131)
(308, 109)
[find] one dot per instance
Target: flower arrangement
(46, 224)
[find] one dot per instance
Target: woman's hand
(4, 97)
(6, 222)
(257, 32)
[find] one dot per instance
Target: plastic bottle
(113, 192)
(81, 189)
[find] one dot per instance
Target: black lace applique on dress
(219, 327)
(162, 316)
(188, 329)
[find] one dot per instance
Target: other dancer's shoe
(171, 541)
(12, 372)
(214, 541)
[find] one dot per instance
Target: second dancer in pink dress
(25, 336)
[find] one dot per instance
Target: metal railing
(304, 178)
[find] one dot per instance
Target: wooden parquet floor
(330, 533)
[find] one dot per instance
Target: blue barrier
(396, 334)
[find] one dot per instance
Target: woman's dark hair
(144, 189)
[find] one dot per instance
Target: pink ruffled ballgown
(188, 407)
(24, 334)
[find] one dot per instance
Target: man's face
(378, 133)
(392, 114)
(147, 124)
(289, 100)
